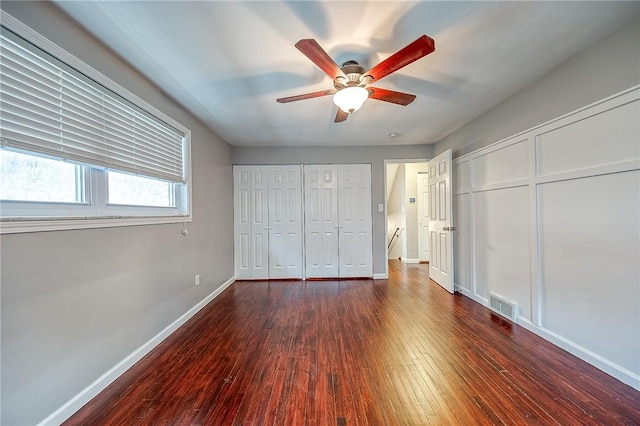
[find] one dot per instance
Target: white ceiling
(228, 61)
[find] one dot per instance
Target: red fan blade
(390, 96)
(340, 116)
(306, 96)
(410, 53)
(318, 56)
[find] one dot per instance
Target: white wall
(411, 209)
(395, 213)
(76, 303)
(550, 219)
(374, 155)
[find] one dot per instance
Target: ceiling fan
(351, 81)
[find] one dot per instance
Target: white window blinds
(48, 108)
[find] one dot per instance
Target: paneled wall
(550, 219)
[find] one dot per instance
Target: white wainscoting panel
(462, 242)
(608, 137)
(501, 245)
(461, 180)
(505, 164)
(590, 249)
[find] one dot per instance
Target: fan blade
(390, 96)
(306, 96)
(410, 53)
(340, 116)
(318, 56)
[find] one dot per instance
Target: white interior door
(354, 213)
(440, 227)
(321, 221)
(285, 222)
(423, 216)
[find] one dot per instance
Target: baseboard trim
(405, 260)
(481, 300)
(78, 401)
(382, 276)
(612, 369)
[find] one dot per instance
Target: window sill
(24, 225)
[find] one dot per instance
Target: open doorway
(406, 204)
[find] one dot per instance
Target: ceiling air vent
(502, 306)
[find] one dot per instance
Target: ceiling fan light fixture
(350, 99)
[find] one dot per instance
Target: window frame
(94, 212)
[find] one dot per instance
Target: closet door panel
(355, 224)
(242, 221)
(321, 221)
(259, 222)
(285, 222)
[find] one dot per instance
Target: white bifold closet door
(285, 222)
(251, 233)
(338, 223)
(321, 220)
(268, 222)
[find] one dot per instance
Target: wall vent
(502, 306)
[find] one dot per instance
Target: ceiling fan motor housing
(355, 76)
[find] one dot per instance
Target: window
(26, 177)
(76, 145)
(140, 191)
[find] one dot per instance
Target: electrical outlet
(196, 279)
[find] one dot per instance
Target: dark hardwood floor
(357, 352)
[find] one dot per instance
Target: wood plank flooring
(357, 352)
